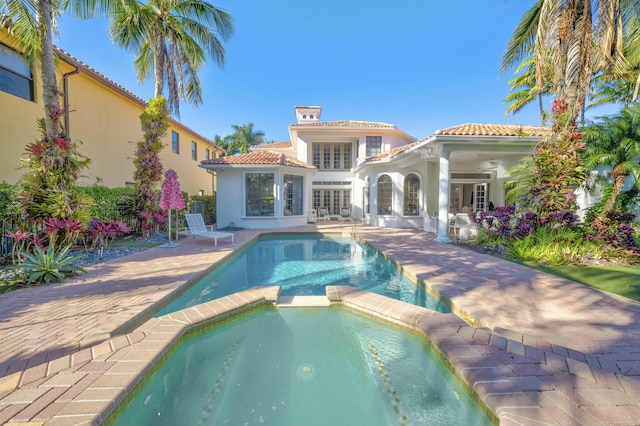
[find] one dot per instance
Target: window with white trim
(385, 195)
(292, 197)
(331, 156)
(259, 194)
(411, 195)
(374, 145)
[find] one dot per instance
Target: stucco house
(104, 118)
(384, 176)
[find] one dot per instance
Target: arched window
(411, 195)
(385, 194)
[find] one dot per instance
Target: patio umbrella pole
(169, 222)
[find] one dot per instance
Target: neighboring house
(104, 120)
(383, 175)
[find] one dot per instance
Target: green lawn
(620, 280)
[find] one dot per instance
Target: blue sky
(418, 64)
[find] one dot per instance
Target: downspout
(65, 82)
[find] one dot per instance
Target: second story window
(331, 156)
(207, 154)
(194, 150)
(15, 74)
(374, 145)
(175, 142)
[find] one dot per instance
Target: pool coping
(482, 361)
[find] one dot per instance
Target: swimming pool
(305, 265)
(303, 366)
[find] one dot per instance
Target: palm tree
(32, 24)
(578, 46)
(529, 91)
(615, 142)
(565, 31)
(243, 138)
(173, 37)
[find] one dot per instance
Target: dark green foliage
(209, 206)
(7, 196)
(107, 201)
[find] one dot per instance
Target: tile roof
(347, 123)
(476, 129)
(286, 144)
(257, 158)
(392, 152)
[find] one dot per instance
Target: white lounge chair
(197, 228)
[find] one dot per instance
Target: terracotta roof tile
(262, 157)
(348, 123)
(286, 144)
(475, 129)
(392, 152)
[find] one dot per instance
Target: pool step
(302, 301)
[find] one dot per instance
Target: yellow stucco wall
(106, 125)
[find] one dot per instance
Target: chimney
(308, 114)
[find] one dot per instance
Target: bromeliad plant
(101, 233)
(55, 164)
(46, 267)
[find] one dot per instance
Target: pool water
(303, 366)
(305, 265)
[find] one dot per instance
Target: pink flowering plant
(171, 196)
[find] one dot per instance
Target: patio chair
(323, 214)
(462, 226)
(197, 228)
(345, 214)
(312, 217)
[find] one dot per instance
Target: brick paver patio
(566, 349)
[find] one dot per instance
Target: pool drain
(206, 411)
(306, 372)
(388, 386)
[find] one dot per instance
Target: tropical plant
(172, 37)
(242, 139)
(47, 189)
(148, 167)
(524, 89)
(578, 46)
(615, 142)
(556, 246)
(99, 233)
(47, 266)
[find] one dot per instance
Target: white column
(443, 199)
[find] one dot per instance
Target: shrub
(556, 246)
(209, 202)
(106, 201)
(47, 266)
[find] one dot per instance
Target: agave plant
(47, 266)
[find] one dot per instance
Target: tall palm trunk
(50, 92)
(619, 176)
(159, 64)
